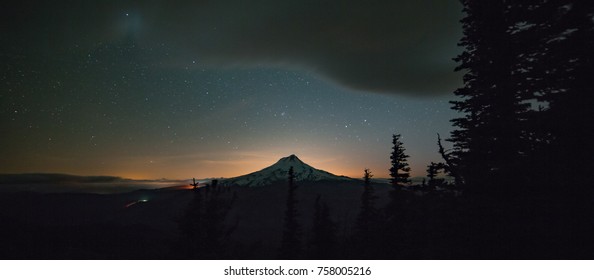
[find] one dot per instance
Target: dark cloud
(394, 46)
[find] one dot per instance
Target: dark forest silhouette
(323, 243)
(204, 235)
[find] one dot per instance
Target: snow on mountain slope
(278, 172)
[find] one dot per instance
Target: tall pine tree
(399, 172)
(368, 222)
(562, 79)
(291, 239)
(489, 141)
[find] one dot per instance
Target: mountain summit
(278, 172)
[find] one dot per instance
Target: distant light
(130, 204)
(143, 200)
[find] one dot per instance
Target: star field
(130, 108)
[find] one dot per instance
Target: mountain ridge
(278, 172)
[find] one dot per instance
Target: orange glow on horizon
(233, 164)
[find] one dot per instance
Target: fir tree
(194, 184)
(489, 141)
(368, 211)
(432, 170)
(561, 68)
(399, 172)
(291, 239)
(518, 52)
(367, 177)
(367, 225)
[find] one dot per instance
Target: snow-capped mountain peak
(287, 162)
(279, 172)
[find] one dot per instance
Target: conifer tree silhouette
(399, 172)
(368, 221)
(432, 170)
(368, 211)
(561, 64)
(291, 239)
(490, 139)
(194, 184)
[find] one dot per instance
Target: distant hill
(278, 172)
(27, 178)
(61, 183)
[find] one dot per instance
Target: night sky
(181, 89)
